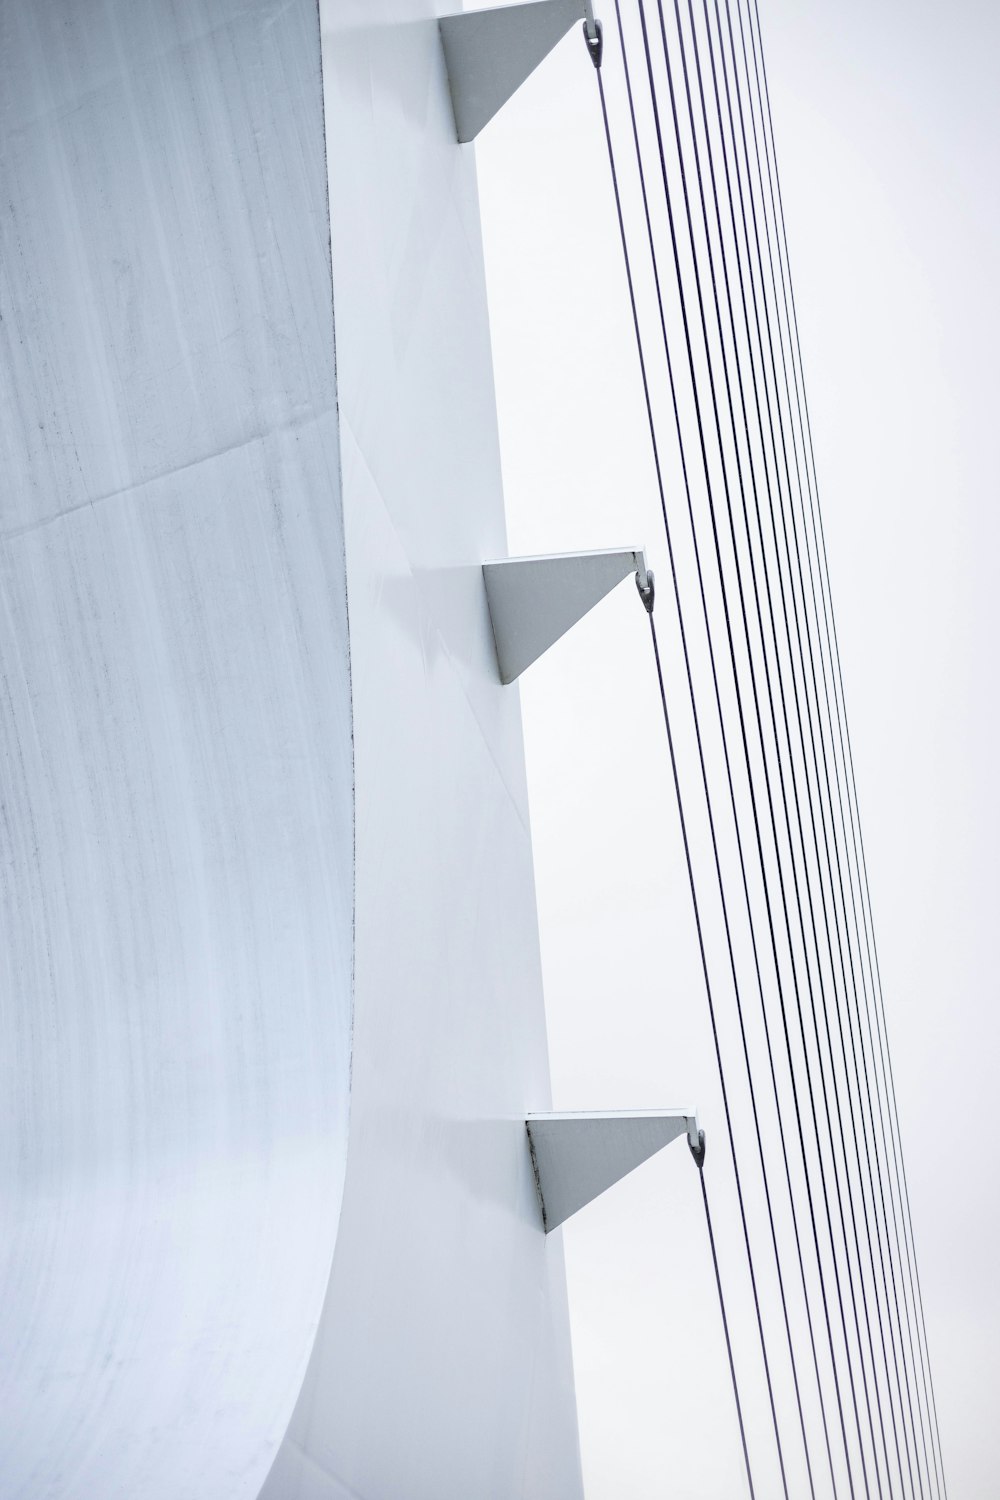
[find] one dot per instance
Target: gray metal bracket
(576, 1157)
(489, 53)
(535, 600)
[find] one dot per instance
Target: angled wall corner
(175, 729)
(443, 1292)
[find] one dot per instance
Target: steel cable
(773, 447)
(909, 1332)
(708, 481)
(750, 346)
(725, 1328)
(683, 822)
(742, 490)
(776, 214)
(850, 1026)
(840, 1025)
(830, 854)
(776, 1095)
(844, 735)
(708, 987)
(833, 892)
(763, 872)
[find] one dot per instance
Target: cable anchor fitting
(698, 1152)
(647, 589)
(594, 40)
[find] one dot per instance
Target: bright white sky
(888, 124)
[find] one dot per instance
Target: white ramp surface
(175, 744)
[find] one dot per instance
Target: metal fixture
(576, 1157)
(489, 53)
(535, 600)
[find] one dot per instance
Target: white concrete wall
(175, 744)
(177, 879)
(443, 1364)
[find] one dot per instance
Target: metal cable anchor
(595, 41)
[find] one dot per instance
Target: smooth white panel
(443, 1366)
(489, 53)
(534, 601)
(175, 745)
(577, 1156)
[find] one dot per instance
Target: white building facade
(271, 1008)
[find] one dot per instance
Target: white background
(887, 126)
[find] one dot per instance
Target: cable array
(687, 120)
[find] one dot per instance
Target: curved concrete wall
(443, 1366)
(175, 744)
(198, 1275)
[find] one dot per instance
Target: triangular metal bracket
(576, 1157)
(535, 600)
(489, 53)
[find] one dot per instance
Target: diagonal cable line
(736, 676)
(864, 1176)
(740, 383)
(886, 1059)
(690, 680)
(844, 733)
(829, 865)
(756, 303)
(722, 1300)
(778, 405)
(667, 352)
(708, 987)
(843, 978)
(776, 1095)
(765, 570)
(765, 878)
(850, 1023)
(892, 1202)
